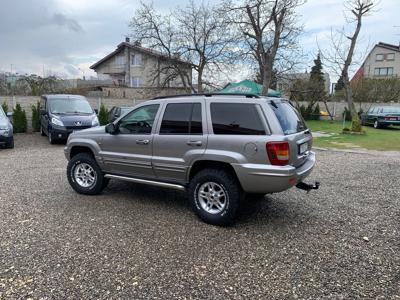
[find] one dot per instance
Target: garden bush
(20, 123)
(103, 115)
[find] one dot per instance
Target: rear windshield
(388, 110)
(289, 118)
(70, 106)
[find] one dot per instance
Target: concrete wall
(142, 93)
(27, 102)
(337, 108)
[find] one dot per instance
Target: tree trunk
(266, 78)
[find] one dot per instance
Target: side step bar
(149, 182)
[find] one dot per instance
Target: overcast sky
(65, 37)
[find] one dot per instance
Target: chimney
(127, 40)
(137, 43)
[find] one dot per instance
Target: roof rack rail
(247, 95)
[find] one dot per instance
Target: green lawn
(375, 139)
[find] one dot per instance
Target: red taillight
(278, 153)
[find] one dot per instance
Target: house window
(380, 57)
(390, 56)
(383, 71)
(136, 81)
(136, 60)
(119, 60)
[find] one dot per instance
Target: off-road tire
(232, 190)
(52, 139)
(100, 182)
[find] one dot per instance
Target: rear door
(180, 139)
(295, 131)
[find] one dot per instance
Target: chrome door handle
(142, 142)
(194, 143)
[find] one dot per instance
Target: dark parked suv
(60, 115)
(215, 147)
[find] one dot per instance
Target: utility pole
(12, 87)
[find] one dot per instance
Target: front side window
(182, 118)
(70, 106)
(236, 118)
(139, 121)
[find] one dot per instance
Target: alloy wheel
(85, 175)
(212, 197)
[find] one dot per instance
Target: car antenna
(274, 104)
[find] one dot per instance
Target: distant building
(132, 65)
(382, 62)
(286, 81)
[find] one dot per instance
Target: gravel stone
(141, 242)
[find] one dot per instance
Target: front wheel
(85, 176)
(215, 196)
(52, 140)
(10, 144)
(377, 125)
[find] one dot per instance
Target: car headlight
(95, 121)
(56, 121)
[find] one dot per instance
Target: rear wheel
(215, 196)
(85, 176)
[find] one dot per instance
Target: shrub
(5, 107)
(35, 117)
(103, 115)
(316, 112)
(19, 117)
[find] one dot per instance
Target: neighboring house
(286, 81)
(132, 65)
(382, 62)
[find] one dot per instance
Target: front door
(129, 151)
(181, 140)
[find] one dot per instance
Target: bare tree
(343, 49)
(198, 33)
(268, 28)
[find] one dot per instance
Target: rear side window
(182, 118)
(236, 118)
(289, 118)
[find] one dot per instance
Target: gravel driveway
(139, 242)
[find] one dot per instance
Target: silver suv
(216, 147)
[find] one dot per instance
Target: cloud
(62, 20)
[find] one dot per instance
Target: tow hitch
(308, 187)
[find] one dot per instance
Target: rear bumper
(389, 122)
(256, 178)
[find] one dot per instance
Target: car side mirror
(10, 114)
(96, 111)
(111, 128)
